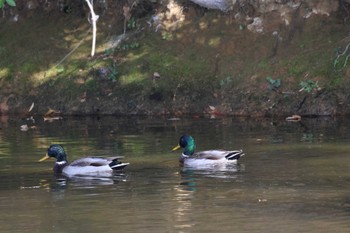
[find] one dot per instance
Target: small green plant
(126, 47)
(109, 51)
(10, 2)
(273, 83)
(308, 137)
(123, 47)
(225, 81)
(59, 69)
(308, 86)
(134, 45)
(167, 36)
(341, 61)
(113, 73)
(131, 23)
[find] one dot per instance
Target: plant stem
(94, 19)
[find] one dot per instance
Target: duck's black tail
(234, 155)
(117, 165)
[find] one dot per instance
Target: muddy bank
(238, 103)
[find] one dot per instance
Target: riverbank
(195, 63)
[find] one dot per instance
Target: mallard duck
(90, 166)
(194, 159)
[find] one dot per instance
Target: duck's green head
(186, 142)
(57, 152)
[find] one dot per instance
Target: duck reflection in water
(224, 171)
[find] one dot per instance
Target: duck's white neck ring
(61, 163)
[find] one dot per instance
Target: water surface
(293, 178)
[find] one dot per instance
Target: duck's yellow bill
(46, 157)
(176, 147)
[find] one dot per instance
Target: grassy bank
(209, 61)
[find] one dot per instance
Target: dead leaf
(52, 112)
(294, 118)
(213, 111)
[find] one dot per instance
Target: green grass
(206, 62)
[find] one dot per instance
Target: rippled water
(293, 178)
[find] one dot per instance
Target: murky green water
(295, 177)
